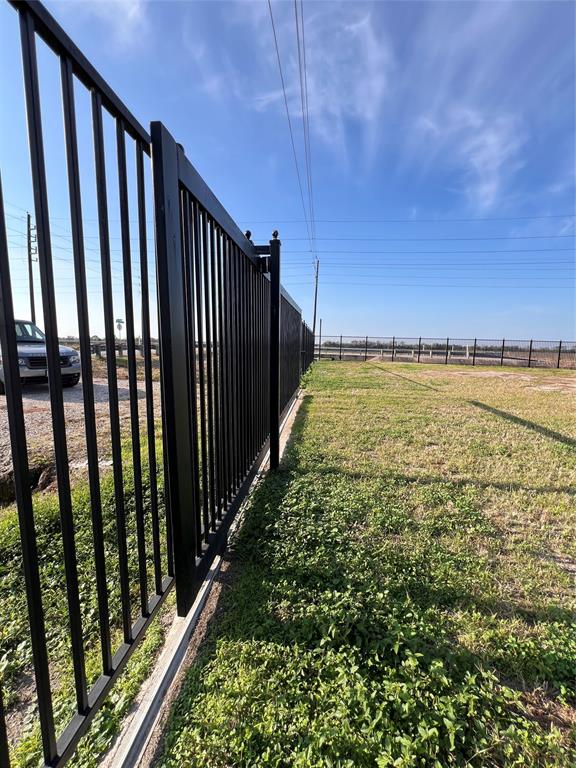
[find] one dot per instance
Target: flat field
(403, 589)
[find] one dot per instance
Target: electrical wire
(446, 253)
(289, 120)
(421, 221)
(436, 239)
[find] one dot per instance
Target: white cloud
(349, 77)
(438, 86)
(349, 64)
(459, 112)
(125, 20)
(484, 149)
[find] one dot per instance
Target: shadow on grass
(392, 476)
(545, 431)
(407, 378)
(558, 436)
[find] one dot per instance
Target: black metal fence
(512, 352)
(233, 347)
(307, 347)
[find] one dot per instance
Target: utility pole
(315, 297)
(31, 252)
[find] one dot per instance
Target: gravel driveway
(39, 426)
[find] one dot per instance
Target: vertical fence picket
(148, 382)
(85, 359)
(132, 375)
(117, 461)
(38, 168)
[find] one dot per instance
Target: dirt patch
(565, 383)
(24, 710)
(557, 384)
(548, 712)
(38, 419)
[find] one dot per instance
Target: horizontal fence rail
(522, 353)
(212, 356)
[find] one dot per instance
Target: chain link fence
(529, 353)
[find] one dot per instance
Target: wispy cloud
(126, 21)
(484, 150)
(428, 85)
(461, 108)
(349, 66)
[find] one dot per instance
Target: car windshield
(28, 332)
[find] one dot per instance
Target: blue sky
(442, 148)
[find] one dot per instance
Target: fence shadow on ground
(545, 431)
(406, 378)
(539, 428)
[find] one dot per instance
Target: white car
(32, 357)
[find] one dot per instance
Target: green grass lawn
(402, 591)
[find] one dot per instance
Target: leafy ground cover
(15, 647)
(402, 588)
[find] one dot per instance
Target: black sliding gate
(183, 453)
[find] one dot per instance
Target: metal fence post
(393, 347)
(502, 353)
(274, 267)
(474, 353)
(320, 341)
(530, 354)
(366, 350)
(419, 346)
(559, 353)
(446, 358)
(340, 346)
(173, 334)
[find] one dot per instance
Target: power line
(506, 266)
(436, 239)
(373, 284)
(307, 160)
(408, 262)
(520, 276)
(288, 118)
(302, 69)
(420, 221)
(446, 253)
